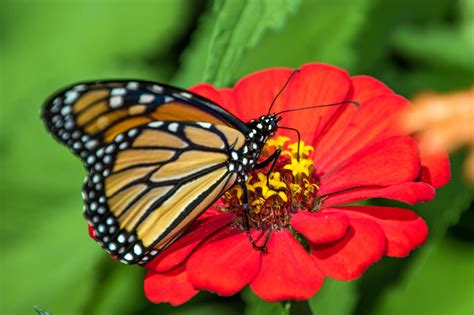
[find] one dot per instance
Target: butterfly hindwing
(89, 115)
(149, 183)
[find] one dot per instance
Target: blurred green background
(47, 258)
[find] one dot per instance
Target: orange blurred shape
(444, 122)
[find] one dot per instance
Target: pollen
(304, 150)
(276, 194)
(299, 167)
(277, 143)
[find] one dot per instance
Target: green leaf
(227, 33)
(193, 59)
(441, 282)
(374, 41)
(440, 46)
(57, 257)
(240, 25)
(116, 289)
(442, 54)
(320, 31)
(40, 311)
(335, 297)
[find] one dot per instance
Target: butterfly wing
(152, 169)
(150, 183)
(87, 115)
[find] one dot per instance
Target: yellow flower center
(289, 187)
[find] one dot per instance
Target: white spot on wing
(186, 94)
(133, 85)
(66, 110)
(118, 91)
(173, 127)
(119, 137)
(110, 148)
(146, 98)
(155, 124)
(204, 124)
(116, 101)
(156, 88)
(69, 124)
(71, 96)
(91, 144)
(95, 179)
(132, 132)
(137, 249)
(80, 87)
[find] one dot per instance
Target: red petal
(371, 123)
(315, 84)
(225, 264)
(411, 193)
(435, 167)
(287, 272)
(388, 162)
(228, 99)
(403, 228)
(254, 93)
(348, 258)
(91, 231)
(180, 250)
(170, 287)
(210, 92)
(363, 89)
(321, 227)
(211, 211)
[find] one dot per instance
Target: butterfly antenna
(284, 86)
(318, 106)
(299, 139)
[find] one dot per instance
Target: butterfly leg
(245, 205)
(271, 159)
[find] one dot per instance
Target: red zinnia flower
(348, 155)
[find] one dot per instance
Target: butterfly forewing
(87, 115)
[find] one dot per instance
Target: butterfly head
(245, 160)
(263, 128)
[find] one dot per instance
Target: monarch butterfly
(157, 157)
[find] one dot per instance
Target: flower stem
(295, 308)
(286, 307)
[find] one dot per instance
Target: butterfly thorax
(244, 160)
